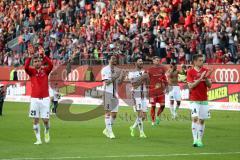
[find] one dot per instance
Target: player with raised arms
(40, 100)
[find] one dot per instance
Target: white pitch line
(123, 156)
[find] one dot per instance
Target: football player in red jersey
(157, 86)
(40, 101)
(198, 81)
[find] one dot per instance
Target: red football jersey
(158, 81)
(219, 54)
(198, 93)
(39, 79)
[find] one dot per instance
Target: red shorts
(157, 99)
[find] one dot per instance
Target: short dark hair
(111, 55)
(155, 57)
(196, 56)
(136, 59)
(36, 57)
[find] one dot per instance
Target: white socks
(47, 127)
(112, 120)
(200, 131)
(172, 110)
(139, 123)
(36, 128)
(135, 123)
(195, 131)
(108, 123)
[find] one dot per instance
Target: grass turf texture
(84, 140)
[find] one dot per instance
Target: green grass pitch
(171, 140)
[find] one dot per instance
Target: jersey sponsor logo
(22, 75)
(227, 75)
(72, 76)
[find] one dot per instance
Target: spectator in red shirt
(219, 56)
(188, 19)
(166, 21)
(39, 8)
(126, 17)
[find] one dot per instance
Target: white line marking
(123, 156)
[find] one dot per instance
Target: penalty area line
(124, 156)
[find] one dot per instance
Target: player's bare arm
(123, 76)
(208, 83)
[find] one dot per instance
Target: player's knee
(162, 106)
(178, 103)
(107, 114)
(195, 119)
(114, 116)
(144, 116)
(153, 107)
(45, 121)
(201, 121)
(36, 120)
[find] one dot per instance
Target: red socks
(153, 113)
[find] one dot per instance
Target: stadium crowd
(84, 31)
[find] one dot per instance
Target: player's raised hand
(41, 51)
(30, 50)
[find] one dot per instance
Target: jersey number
(194, 111)
(33, 113)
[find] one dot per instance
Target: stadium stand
(87, 31)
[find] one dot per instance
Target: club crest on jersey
(41, 73)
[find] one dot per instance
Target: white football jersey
(107, 74)
(133, 76)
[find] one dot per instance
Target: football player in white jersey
(139, 80)
(111, 76)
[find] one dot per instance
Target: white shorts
(174, 93)
(200, 110)
(110, 103)
(40, 108)
(140, 104)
